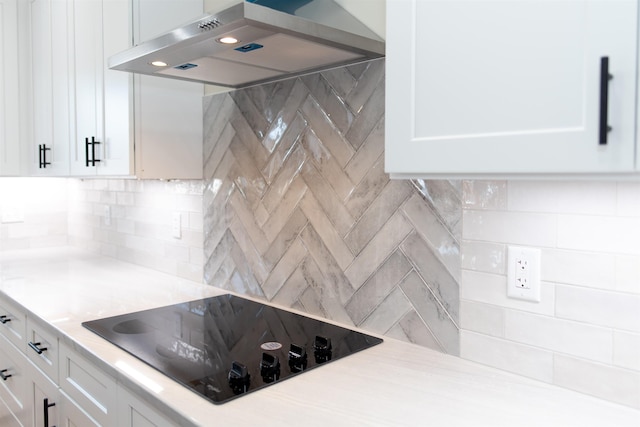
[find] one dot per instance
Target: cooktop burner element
(226, 346)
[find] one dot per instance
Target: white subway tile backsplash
(483, 256)
(489, 195)
(597, 307)
(595, 270)
(628, 274)
(483, 318)
(492, 289)
(611, 383)
(507, 355)
(589, 318)
(529, 229)
(588, 198)
(617, 235)
(563, 336)
(628, 199)
(626, 350)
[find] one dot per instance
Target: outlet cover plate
(523, 273)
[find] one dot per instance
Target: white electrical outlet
(523, 273)
(176, 225)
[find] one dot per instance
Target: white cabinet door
(9, 89)
(48, 71)
(168, 113)
(509, 87)
(71, 415)
(101, 141)
(43, 399)
(133, 412)
(13, 379)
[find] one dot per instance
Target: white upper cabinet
(9, 95)
(169, 118)
(47, 90)
(87, 120)
(100, 97)
(477, 87)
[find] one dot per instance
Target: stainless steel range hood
(276, 39)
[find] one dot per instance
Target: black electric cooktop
(226, 346)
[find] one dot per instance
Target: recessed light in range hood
(275, 39)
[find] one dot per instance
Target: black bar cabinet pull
(93, 159)
(47, 405)
(86, 152)
(34, 346)
(604, 100)
(3, 375)
(4, 319)
(93, 150)
(42, 156)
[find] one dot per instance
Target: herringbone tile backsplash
(299, 211)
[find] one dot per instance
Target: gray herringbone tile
(388, 313)
(330, 237)
(327, 132)
(434, 273)
(284, 149)
(431, 312)
(426, 222)
(284, 268)
(377, 214)
(378, 286)
(392, 233)
(298, 209)
(370, 151)
(330, 102)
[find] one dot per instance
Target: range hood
(274, 39)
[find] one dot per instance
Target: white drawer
(13, 381)
(42, 348)
(92, 389)
(13, 323)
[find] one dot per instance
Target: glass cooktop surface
(226, 346)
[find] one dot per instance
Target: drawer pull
(34, 346)
(4, 319)
(604, 128)
(47, 405)
(3, 376)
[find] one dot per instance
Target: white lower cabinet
(46, 382)
(51, 407)
(13, 383)
(92, 389)
(133, 412)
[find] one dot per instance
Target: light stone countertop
(392, 384)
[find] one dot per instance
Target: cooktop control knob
(239, 378)
(297, 358)
(269, 368)
(322, 349)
